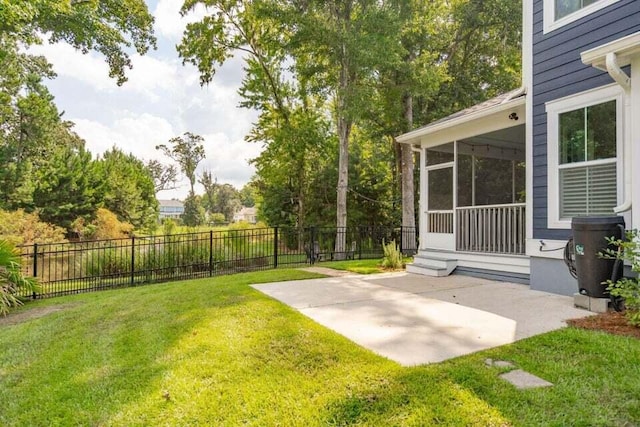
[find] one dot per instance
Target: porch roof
(482, 110)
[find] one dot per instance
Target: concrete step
(432, 266)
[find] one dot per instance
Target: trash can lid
(596, 222)
(604, 220)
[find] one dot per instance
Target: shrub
(627, 288)
(21, 228)
(168, 227)
(392, 256)
(12, 282)
(106, 225)
(217, 218)
(108, 261)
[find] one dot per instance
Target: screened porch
(474, 190)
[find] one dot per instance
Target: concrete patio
(414, 319)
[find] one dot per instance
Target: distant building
(246, 214)
(170, 209)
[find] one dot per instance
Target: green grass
(217, 352)
(362, 266)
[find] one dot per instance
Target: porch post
(473, 180)
(422, 203)
(455, 193)
(513, 181)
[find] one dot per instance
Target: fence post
(359, 242)
(275, 247)
(210, 253)
(35, 266)
(401, 239)
(133, 259)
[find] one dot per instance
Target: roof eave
(410, 137)
(624, 48)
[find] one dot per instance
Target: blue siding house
(501, 181)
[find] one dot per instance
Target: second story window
(558, 13)
(567, 7)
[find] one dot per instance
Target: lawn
(361, 266)
(216, 352)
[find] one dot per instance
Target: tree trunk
(344, 129)
(408, 205)
(301, 201)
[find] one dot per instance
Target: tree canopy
(336, 81)
(188, 152)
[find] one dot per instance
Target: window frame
(570, 103)
(551, 23)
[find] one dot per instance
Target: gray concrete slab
(523, 380)
(415, 319)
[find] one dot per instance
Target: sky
(161, 99)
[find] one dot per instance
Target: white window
(562, 12)
(584, 134)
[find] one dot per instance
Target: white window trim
(550, 23)
(570, 103)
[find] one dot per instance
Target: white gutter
(616, 72)
(624, 81)
(610, 57)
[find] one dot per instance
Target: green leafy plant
(12, 282)
(392, 256)
(627, 288)
(168, 227)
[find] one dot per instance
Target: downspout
(624, 81)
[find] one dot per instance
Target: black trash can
(589, 239)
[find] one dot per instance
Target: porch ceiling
(500, 113)
(508, 143)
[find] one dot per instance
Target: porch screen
(587, 157)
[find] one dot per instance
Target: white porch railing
(496, 229)
(440, 222)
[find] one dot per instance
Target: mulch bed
(612, 322)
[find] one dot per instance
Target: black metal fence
(64, 268)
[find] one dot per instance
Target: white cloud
(69, 62)
(228, 159)
(149, 75)
(169, 23)
(136, 134)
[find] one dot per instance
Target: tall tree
(481, 49)
(417, 74)
(128, 189)
(257, 29)
(188, 152)
(194, 214)
(164, 177)
(68, 188)
(219, 198)
(342, 44)
(248, 195)
(209, 197)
